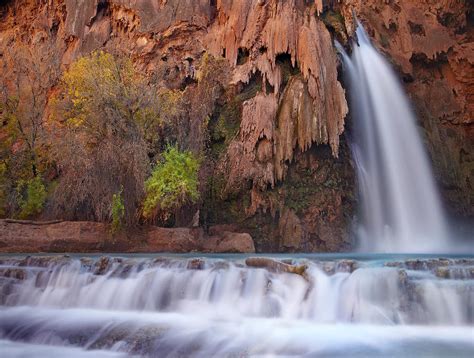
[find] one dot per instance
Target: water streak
(400, 207)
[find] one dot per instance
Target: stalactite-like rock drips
(249, 155)
(266, 29)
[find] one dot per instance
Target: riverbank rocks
(231, 242)
(15, 273)
(87, 237)
(275, 266)
(441, 267)
(55, 237)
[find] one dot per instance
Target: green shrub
(118, 211)
(173, 183)
(32, 196)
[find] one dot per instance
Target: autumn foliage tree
(98, 141)
(23, 150)
(83, 145)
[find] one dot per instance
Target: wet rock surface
(442, 268)
(275, 266)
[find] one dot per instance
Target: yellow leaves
(213, 69)
(3, 169)
(170, 103)
(94, 86)
(77, 121)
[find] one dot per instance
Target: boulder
(159, 239)
(275, 266)
(229, 242)
(63, 236)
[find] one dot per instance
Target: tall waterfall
(400, 208)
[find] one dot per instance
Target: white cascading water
(400, 207)
(212, 307)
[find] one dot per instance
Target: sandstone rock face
(287, 167)
(290, 230)
(265, 29)
(85, 236)
(60, 237)
(229, 242)
(248, 159)
(173, 240)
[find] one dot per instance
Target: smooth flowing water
(227, 307)
(400, 208)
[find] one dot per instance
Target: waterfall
(400, 208)
(216, 307)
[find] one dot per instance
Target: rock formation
(85, 236)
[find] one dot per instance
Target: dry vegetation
(108, 145)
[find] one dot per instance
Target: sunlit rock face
(266, 29)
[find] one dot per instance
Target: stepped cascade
(205, 307)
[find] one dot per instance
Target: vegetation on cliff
(97, 139)
(172, 184)
(107, 125)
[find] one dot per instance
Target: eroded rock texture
(278, 158)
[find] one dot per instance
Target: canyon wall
(278, 157)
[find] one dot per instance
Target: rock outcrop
(275, 266)
(86, 236)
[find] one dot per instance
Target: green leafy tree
(173, 183)
(32, 195)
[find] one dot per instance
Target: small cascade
(205, 307)
(400, 207)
